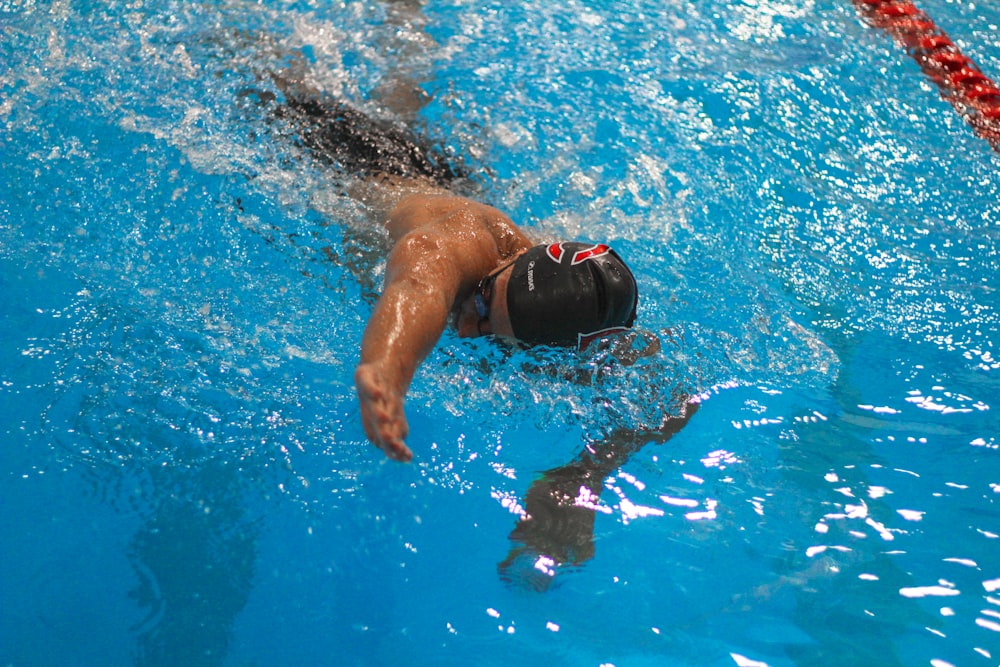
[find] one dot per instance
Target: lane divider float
(973, 95)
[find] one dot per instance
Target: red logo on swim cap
(556, 252)
(590, 253)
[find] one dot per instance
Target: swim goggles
(484, 293)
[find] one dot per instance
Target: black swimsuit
(345, 137)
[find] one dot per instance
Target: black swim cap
(561, 294)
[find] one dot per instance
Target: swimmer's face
(489, 316)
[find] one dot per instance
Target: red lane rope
(973, 95)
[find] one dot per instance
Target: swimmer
(453, 260)
(459, 261)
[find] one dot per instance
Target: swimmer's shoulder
(509, 238)
(457, 216)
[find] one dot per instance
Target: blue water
(183, 476)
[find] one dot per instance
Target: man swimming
(452, 259)
(456, 258)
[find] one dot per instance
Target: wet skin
(443, 246)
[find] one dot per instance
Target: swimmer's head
(568, 293)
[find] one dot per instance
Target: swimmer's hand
(382, 412)
(557, 529)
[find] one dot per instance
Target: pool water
(184, 479)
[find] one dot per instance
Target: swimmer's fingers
(382, 414)
(386, 428)
(393, 446)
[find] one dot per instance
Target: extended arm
(407, 321)
(558, 525)
(444, 245)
